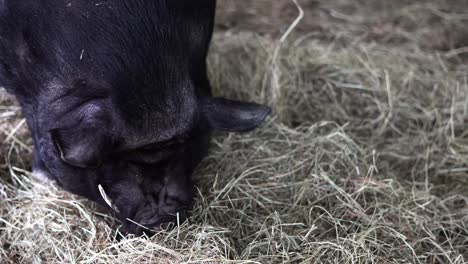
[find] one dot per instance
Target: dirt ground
(428, 24)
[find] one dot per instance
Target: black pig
(117, 98)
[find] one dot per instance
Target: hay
(363, 161)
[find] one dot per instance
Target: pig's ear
(233, 116)
(80, 147)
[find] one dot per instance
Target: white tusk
(106, 198)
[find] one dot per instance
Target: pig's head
(140, 151)
(117, 98)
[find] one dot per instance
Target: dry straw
(366, 162)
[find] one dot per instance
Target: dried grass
(363, 161)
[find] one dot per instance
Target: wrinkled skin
(116, 94)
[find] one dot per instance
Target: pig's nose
(176, 199)
(170, 205)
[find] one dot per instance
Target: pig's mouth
(147, 221)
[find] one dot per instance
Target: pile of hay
(363, 161)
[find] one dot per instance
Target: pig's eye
(162, 145)
(146, 157)
(173, 143)
(154, 153)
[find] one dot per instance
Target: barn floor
(365, 159)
